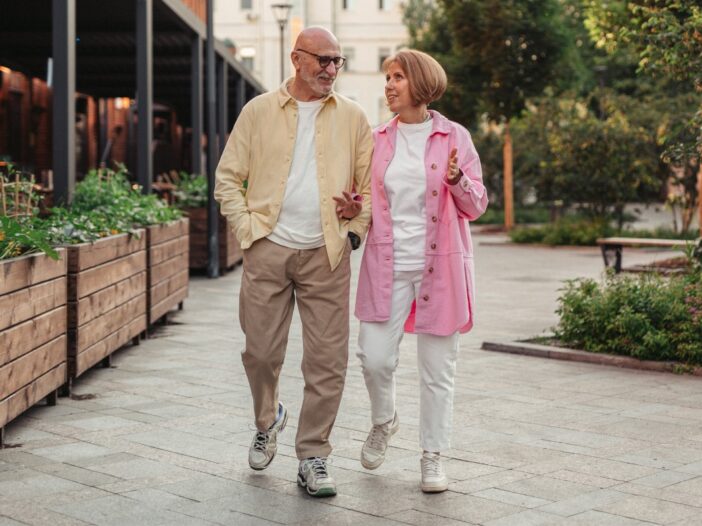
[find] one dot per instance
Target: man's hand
(347, 207)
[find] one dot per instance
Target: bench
(615, 245)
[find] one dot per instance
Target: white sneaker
(264, 445)
(314, 477)
(373, 450)
(433, 477)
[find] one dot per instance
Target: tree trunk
(507, 176)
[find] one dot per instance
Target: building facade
(369, 31)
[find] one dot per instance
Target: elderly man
(302, 150)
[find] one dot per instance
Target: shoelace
(318, 466)
(376, 439)
(432, 465)
(260, 441)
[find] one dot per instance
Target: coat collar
(440, 124)
(284, 95)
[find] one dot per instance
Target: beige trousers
(275, 277)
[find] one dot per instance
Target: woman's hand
(347, 207)
(453, 174)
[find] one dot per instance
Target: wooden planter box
(106, 299)
(33, 362)
(230, 253)
(167, 276)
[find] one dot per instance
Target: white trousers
(379, 352)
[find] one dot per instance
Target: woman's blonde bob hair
(426, 77)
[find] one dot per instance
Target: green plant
(648, 317)
(190, 191)
(19, 235)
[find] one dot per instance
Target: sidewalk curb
(573, 355)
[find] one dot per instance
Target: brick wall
(199, 7)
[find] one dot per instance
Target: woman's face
(397, 91)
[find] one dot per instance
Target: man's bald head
(316, 36)
(312, 80)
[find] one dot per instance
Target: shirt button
(433, 166)
(433, 246)
(434, 193)
(426, 298)
(431, 269)
(385, 208)
(433, 218)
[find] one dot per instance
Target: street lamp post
(282, 15)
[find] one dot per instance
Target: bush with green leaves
(20, 236)
(648, 317)
(190, 191)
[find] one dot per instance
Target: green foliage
(522, 215)
(191, 191)
(566, 231)
(582, 231)
(648, 317)
(19, 236)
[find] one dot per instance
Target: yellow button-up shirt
(260, 151)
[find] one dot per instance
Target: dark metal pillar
(222, 103)
(64, 103)
(240, 95)
(145, 93)
(196, 105)
(212, 156)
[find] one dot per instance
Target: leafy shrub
(19, 236)
(191, 191)
(522, 216)
(648, 317)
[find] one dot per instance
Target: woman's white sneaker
(314, 476)
(433, 477)
(373, 450)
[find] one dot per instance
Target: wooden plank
(169, 268)
(88, 255)
(168, 286)
(90, 307)
(23, 338)
(92, 332)
(24, 304)
(233, 251)
(24, 398)
(97, 278)
(24, 271)
(167, 250)
(85, 360)
(643, 242)
(25, 369)
(158, 234)
(168, 303)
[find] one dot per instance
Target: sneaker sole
(434, 489)
(282, 426)
(321, 492)
(379, 462)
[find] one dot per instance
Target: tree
(667, 35)
(501, 53)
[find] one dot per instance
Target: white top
(406, 185)
(299, 223)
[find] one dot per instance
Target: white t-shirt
(406, 185)
(299, 223)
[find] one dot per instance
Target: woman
(417, 269)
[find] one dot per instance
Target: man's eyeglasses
(324, 60)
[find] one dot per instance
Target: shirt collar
(284, 95)
(440, 124)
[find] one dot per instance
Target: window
(383, 53)
(247, 57)
(350, 54)
(346, 4)
(246, 4)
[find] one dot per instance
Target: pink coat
(446, 297)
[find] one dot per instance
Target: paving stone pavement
(164, 439)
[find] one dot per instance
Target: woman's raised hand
(453, 174)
